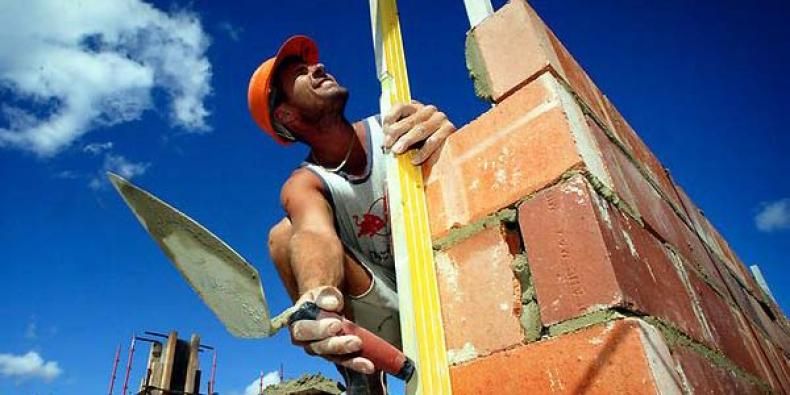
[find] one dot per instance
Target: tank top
(360, 203)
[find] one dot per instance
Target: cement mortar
(530, 321)
(674, 337)
(524, 277)
(587, 320)
(530, 310)
(462, 233)
(612, 197)
(307, 384)
(477, 68)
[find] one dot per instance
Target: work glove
(321, 337)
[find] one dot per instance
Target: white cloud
(97, 148)
(28, 366)
(233, 32)
(73, 67)
(31, 332)
(270, 378)
(774, 216)
(118, 164)
(67, 175)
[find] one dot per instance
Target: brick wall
(569, 261)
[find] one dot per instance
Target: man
(334, 246)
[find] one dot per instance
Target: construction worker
(334, 247)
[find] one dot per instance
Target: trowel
(230, 286)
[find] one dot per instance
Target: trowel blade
(229, 285)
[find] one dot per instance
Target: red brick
(739, 294)
(698, 238)
(640, 151)
(779, 363)
(710, 237)
(659, 216)
(756, 313)
(656, 213)
(703, 377)
(743, 300)
(615, 161)
(621, 357)
(577, 78)
(769, 326)
(693, 212)
(691, 247)
(725, 247)
(736, 281)
(736, 264)
(511, 151)
(765, 370)
(707, 235)
(568, 256)
(476, 288)
(514, 46)
(776, 370)
(634, 190)
(728, 333)
(513, 49)
(618, 125)
(728, 257)
(585, 255)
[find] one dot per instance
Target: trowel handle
(384, 356)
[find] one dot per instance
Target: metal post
(128, 367)
(758, 275)
(114, 368)
(260, 391)
(212, 379)
(477, 10)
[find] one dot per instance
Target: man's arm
(316, 253)
(316, 259)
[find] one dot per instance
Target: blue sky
(158, 93)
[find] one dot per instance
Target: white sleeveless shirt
(360, 204)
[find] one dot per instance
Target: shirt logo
(374, 221)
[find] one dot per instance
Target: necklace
(343, 163)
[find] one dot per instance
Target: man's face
(310, 90)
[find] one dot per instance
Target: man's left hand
(415, 125)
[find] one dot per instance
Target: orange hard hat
(259, 91)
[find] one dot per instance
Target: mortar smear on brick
(465, 353)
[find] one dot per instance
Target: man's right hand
(322, 337)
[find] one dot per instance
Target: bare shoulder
(302, 185)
